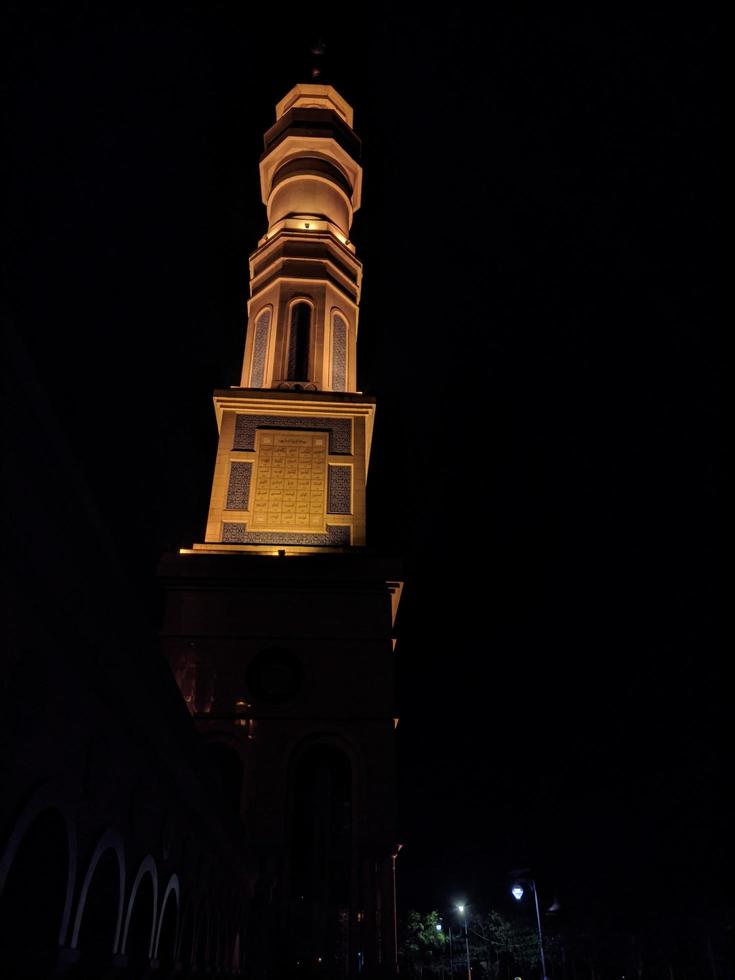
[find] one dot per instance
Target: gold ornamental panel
(290, 481)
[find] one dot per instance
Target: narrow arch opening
(99, 919)
(202, 952)
(321, 856)
(167, 936)
(186, 946)
(140, 930)
(235, 964)
(299, 339)
(33, 899)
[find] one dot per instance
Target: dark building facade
(119, 853)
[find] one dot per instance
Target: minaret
(294, 438)
(279, 626)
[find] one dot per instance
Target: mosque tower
(279, 625)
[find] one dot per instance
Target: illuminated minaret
(294, 438)
(279, 626)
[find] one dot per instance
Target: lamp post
(399, 848)
(517, 891)
(461, 910)
(439, 928)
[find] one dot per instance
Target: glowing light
(517, 892)
(438, 927)
(460, 909)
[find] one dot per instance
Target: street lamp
(399, 848)
(461, 910)
(439, 928)
(518, 891)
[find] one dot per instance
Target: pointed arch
(300, 316)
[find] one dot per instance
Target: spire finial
(317, 50)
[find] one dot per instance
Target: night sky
(537, 324)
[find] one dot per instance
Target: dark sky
(537, 324)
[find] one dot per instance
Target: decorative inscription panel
(290, 481)
(340, 430)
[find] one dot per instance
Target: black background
(538, 234)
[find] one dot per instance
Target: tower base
(285, 663)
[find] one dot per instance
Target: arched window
(339, 353)
(321, 853)
(298, 342)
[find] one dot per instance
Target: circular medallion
(274, 676)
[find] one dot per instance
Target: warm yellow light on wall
(241, 707)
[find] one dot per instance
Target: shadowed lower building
(120, 853)
(279, 625)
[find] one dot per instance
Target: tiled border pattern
(339, 353)
(339, 492)
(238, 491)
(260, 349)
(238, 534)
(233, 533)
